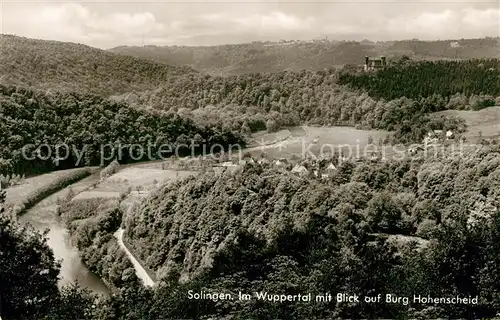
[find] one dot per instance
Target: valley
(273, 179)
(134, 182)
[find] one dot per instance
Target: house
(331, 167)
(281, 162)
(435, 133)
(301, 170)
(449, 134)
(433, 137)
(263, 161)
(429, 140)
(415, 150)
(227, 164)
(374, 63)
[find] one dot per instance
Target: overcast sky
(106, 24)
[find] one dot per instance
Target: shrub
(110, 169)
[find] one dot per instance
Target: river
(43, 216)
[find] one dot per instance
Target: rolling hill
(311, 55)
(62, 66)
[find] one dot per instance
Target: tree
(245, 129)
(271, 125)
(74, 303)
(28, 272)
(2, 200)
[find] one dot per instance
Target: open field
(97, 194)
(138, 177)
(264, 138)
(315, 140)
(18, 193)
(486, 120)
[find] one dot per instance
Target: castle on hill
(374, 63)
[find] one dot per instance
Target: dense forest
(310, 55)
(427, 226)
(62, 66)
(412, 226)
(258, 101)
(29, 275)
(91, 223)
(426, 78)
(86, 124)
(420, 225)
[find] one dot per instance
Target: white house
(300, 170)
(263, 160)
(331, 167)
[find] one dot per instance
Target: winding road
(139, 270)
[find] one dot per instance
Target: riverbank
(43, 216)
(24, 196)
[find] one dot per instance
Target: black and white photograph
(228, 159)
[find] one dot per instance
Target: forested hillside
(264, 229)
(426, 78)
(63, 66)
(86, 123)
(413, 226)
(298, 55)
(423, 225)
(258, 101)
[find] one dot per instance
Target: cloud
(489, 18)
(74, 22)
(467, 22)
(126, 24)
(110, 24)
(275, 21)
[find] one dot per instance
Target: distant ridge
(65, 66)
(316, 54)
